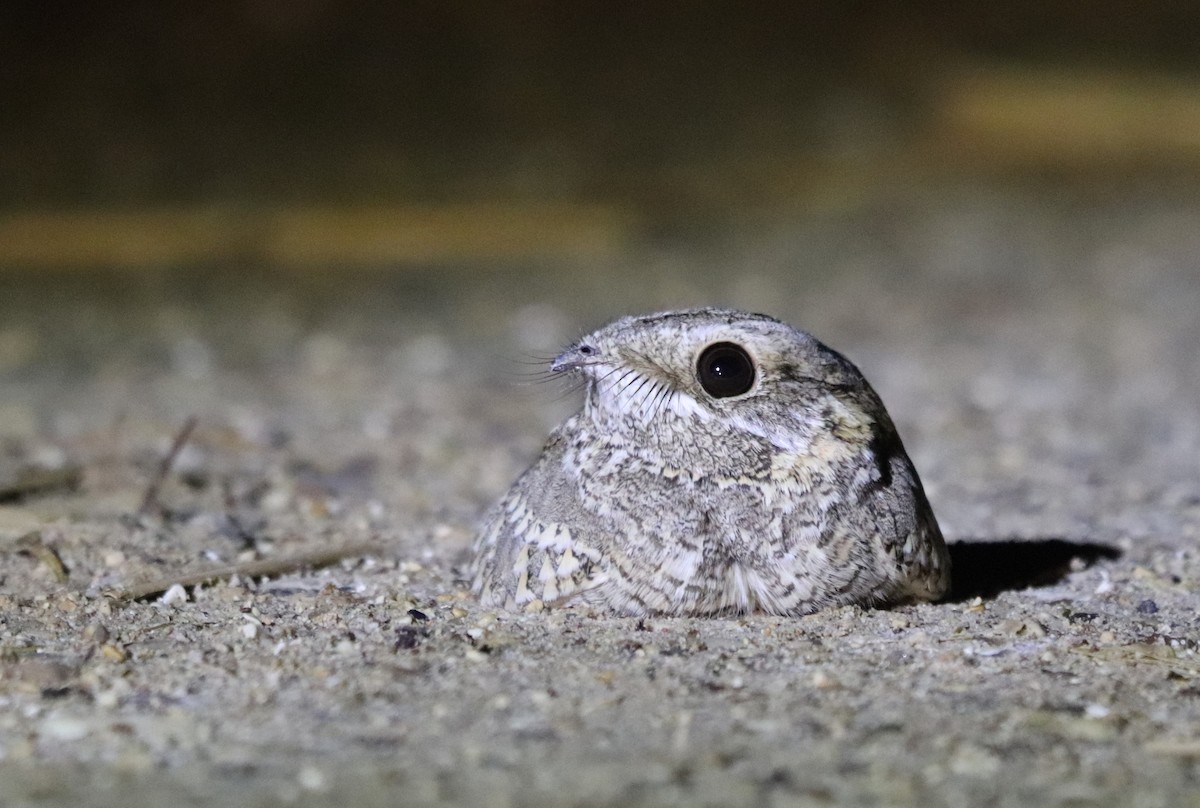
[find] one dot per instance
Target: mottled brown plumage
(722, 463)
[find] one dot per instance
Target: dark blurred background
(151, 134)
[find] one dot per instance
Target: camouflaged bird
(722, 463)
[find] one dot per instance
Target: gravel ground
(1040, 358)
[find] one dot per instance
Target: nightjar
(722, 463)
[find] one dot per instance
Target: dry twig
(150, 500)
(32, 481)
(264, 567)
(33, 544)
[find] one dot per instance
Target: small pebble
(107, 699)
(311, 778)
(114, 653)
(174, 596)
(1035, 629)
(96, 632)
(65, 728)
(407, 637)
(1147, 607)
(823, 681)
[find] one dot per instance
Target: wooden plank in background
(1070, 118)
(308, 236)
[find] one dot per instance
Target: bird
(722, 463)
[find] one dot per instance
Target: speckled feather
(657, 498)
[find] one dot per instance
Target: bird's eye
(724, 370)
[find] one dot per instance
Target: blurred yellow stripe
(303, 237)
(1070, 118)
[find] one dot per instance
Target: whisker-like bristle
(644, 381)
(534, 359)
(574, 386)
(613, 383)
(648, 409)
(638, 396)
(616, 371)
(524, 371)
(537, 377)
(664, 394)
(669, 401)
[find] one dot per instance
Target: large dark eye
(725, 370)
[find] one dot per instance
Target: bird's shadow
(987, 568)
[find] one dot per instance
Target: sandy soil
(1040, 359)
